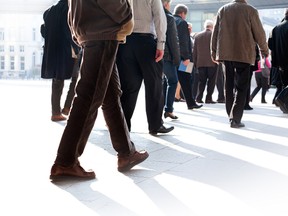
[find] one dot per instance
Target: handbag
(265, 70)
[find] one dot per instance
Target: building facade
(21, 44)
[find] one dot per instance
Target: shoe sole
(155, 133)
(172, 117)
(131, 165)
(70, 177)
(57, 120)
(237, 126)
(191, 108)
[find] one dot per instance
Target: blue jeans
(171, 80)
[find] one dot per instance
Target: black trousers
(220, 82)
(262, 83)
(237, 77)
(279, 78)
(186, 82)
(207, 77)
(57, 90)
(136, 62)
(195, 79)
(99, 85)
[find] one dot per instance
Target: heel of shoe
(170, 115)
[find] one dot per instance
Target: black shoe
(199, 101)
(162, 129)
(221, 101)
(179, 100)
(248, 108)
(196, 106)
(170, 115)
(234, 124)
(210, 102)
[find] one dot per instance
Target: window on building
(34, 59)
(34, 34)
(2, 49)
(22, 63)
(21, 48)
(11, 48)
(2, 35)
(2, 62)
(12, 63)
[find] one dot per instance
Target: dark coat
(57, 57)
(201, 49)
(278, 44)
(184, 38)
(172, 50)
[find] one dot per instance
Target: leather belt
(142, 34)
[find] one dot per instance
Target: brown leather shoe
(126, 163)
(75, 172)
(65, 111)
(59, 117)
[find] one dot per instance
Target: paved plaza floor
(202, 168)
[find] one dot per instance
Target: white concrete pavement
(202, 168)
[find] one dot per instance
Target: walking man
(237, 29)
(140, 58)
(98, 26)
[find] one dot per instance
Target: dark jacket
(172, 50)
(57, 57)
(109, 25)
(278, 44)
(184, 38)
(201, 49)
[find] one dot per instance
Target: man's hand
(215, 61)
(159, 55)
(186, 62)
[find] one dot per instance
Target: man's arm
(160, 23)
(214, 38)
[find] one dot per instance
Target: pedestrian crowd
(116, 46)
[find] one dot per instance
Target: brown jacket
(201, 49)
(237, 30)
(100, 20)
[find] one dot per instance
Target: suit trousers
(186, 82)
(262, 82)
(220, 82)
(237, 77)
(247, 101)
(99, 85)
(136, 62)
(207, 77)
(57, 90)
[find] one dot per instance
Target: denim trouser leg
(98, 85)
(172, 80)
